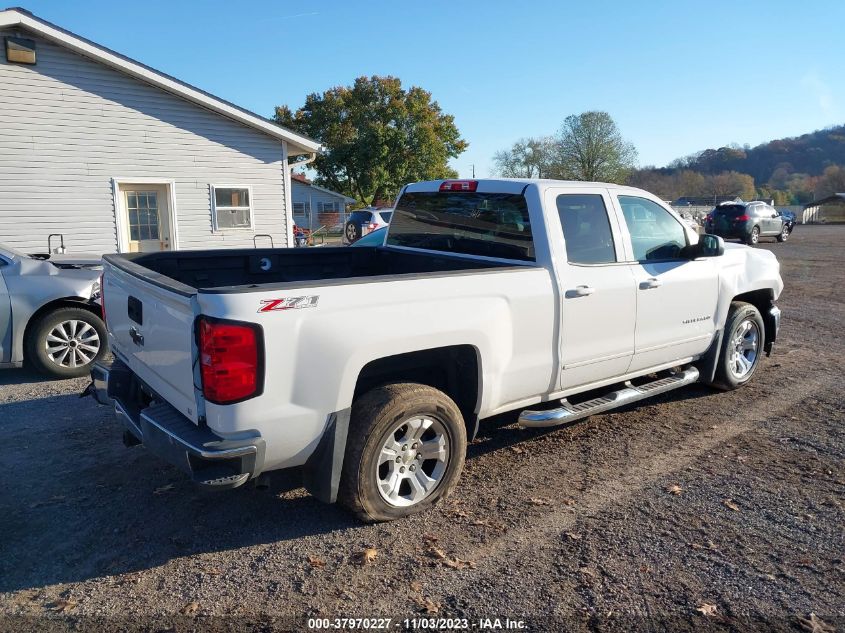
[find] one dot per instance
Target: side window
(586, 229)
(655, 233)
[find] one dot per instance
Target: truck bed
(240, 270)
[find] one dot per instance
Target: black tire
(784, 233)
(376, 415)
(754, 237)
(352, 232)
(36, 342)
(738, 314)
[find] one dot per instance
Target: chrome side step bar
(570, 412)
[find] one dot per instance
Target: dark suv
(747, 221)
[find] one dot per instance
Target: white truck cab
(491, 295)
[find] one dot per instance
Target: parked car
(364, 221)
(747, 221)
(489, 295)
(49, 312)
(376, 238)
(789, 220)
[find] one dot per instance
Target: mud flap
(706, 365)
(321, 473)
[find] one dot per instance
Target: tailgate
(152, 329)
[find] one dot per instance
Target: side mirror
(710, 246)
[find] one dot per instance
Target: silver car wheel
(412, 461)
(72, 343)
(743, 349)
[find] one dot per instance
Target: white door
(147, 218)
(676, 296)
(597, 290)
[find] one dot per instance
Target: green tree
(377, 137)
(831, 181)
(527, 158)
(590, 147)
(731, 183)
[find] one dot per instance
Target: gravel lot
(575, 528)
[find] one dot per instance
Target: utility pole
(473, 170)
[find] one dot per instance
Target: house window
(299, 208)
(231, 208)
(327, 207)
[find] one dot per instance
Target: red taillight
(230, 361)
(459, 185)
(741, 218)
(103, 296)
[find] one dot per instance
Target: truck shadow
(501, 431)
(79, 505)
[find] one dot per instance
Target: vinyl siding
(300, 192)
(69, 125)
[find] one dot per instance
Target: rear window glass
(386, 215)
(360, 216)
(487, 224)
(730, 211)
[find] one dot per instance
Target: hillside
(806, 154)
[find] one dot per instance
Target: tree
(731, 183)
(590, 147)
(527, 158)
(377, 137)
(832, 181)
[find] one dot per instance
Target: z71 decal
(288, 303)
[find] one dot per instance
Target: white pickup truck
(370, 368)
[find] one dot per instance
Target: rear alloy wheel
(784, 234)
(65, 342)
(405, 451)
(755, 236)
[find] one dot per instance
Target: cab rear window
(471, 223)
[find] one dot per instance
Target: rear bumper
(732, 233)
(210, 460)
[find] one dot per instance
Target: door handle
(650, 283)
(136, 336)
(581, 291)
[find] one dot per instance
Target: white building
(116, 156)
(315, 206)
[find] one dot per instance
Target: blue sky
(677, 76)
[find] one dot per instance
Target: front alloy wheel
(755, 235)
(742, 346)
(744, 349)
(72, 344)
(64, 342)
